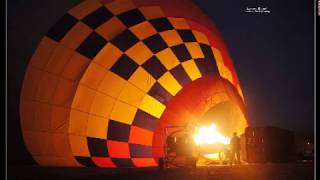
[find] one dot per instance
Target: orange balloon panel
(110, 75)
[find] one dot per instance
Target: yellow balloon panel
(167, 58)
(131, 95)
(179, 23)
(108, 56)
(152, 12)
(102, 105)
(119, 115)
(112, 84)
(83, 94)
(79, 145)
(152, 106)
(170, 83)
(76, 35)
(191, 69)
(111, 28)
(194, 50)
(142, 79)
(139, 53)
(97, 127)
(201, 38)
(171, 37)
(93, 76)
(143, 30)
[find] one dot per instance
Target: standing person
(235, 148)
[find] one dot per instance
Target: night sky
(272, 53)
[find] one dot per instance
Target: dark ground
(293, 171)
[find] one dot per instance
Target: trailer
(267, 144)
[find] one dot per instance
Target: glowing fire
(210, 135)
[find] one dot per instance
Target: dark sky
(272, 53)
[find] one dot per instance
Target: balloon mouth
(210, 135)
(211, 143)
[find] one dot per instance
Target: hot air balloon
(109, 76)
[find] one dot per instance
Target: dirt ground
(293, 171)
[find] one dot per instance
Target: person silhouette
(235, 148)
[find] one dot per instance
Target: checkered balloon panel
(105, 77)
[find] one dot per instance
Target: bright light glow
(210, 135)
(212, 156)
